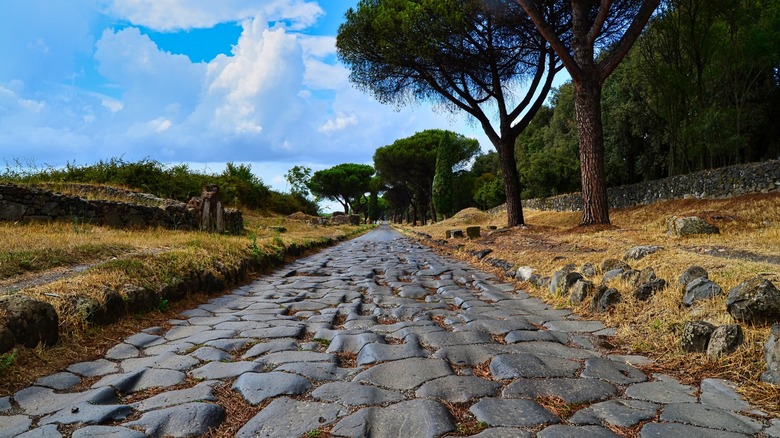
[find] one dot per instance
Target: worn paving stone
(283, 357)
(229, 345)
(516, 336)
(458, 389)
(512, 413)
(107, 432)
(568, 390)
(722, 394)
(611, 371)
(178, 347)
(122, 351)
(185, 331)
(168, 360)
(709, 416)
(99, 367)
(620, 413)
(574, 326)
(141, 379)
(355, 394)
(142, 340)
(470, 355)
(5, 403)
(14, 425)
(210, 354)
(502, 432)
(319, 370)
(87, 413)
(404, 374)
(36, 400)
(59, 381)
(666, 430)
(665, 390)
(48, 431)
(187, 420)
(411, 419)
(554, 349)
(271, 347)
(376, 352)
(206, 336)
(224, 370)
(258, 387)
(563, 431)
(285, 417)
(353, 343)
(523, 365)
(294, 331)
(203, 391)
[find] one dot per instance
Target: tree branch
(549, 34)
(601, 17)
(619, 51)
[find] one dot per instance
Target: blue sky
(195, 81)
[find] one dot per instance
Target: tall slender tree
(485, 58)
(602, 32)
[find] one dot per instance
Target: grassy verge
(748, 245)
(199, 264)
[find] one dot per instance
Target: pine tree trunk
(514, 206)
(587, 100)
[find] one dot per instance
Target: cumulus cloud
(342, 121)
(171, 15)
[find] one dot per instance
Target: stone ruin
(208, 209)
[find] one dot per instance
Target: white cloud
(342, 121)
(171, 15)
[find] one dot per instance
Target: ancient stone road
(375, 337)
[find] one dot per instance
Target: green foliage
(298, 177)
(489, 191)
(344, 183)
(163, 305)
(7, 359)
(443, 178)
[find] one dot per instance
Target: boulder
(580, 290)
(631, 277)
(754, 300)
(563, 280)
(473, 232)
(646, 275)
(772, 355)
(7, 339)
(588, 270)
(453, 234)
(612, 264)
(724, 340)
(696, 336)
(689, 275)
(140, 299)
(611, 275)
(640, 252)
(645, 291)
(524, 273)
(31, 321)
(603, 299)
(689, 226)
(700, 289)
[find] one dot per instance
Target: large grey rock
(640, 252)
(285, 417)
(772, 356)
(691, 274)
(700, 289)
(754, 300)
(724, 340)
(580, 291)
(512, 413)
(355, 394)
(458, 389)
(187, 420)
(258, 387)
(568, 390)
(412, 419)
(404, 374)
(526, 365)
(31, 321)
(645, 291)
(696, 336)
(604, 298)
(689, 226)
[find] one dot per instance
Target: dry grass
(750, 236)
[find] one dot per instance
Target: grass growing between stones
(748, 245)
(153, 259)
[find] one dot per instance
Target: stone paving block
(283, 357)
(258, 387)
(536, 335)
(722, 394)
(568, 390)
(355, 394)
(375, 352)
(458, 389)
(88, 413)
(562, 431)
(140, 379)
(502, 432)
(48, 431)
(177, 347)
(224, 370)
(106, 432)
(99, 367)
(709, 416)
(621, 413)
(169, 361)
(553, 349)
(523, 365)
(575, 326)
(122, 351)
(319, 370)
(185, 331)
(60, 381)
(470, 355)
(512, 413)
(665, 390)
(36, 400)
(271, 347)
(208, 335)
(404, 374)
(352, 343)
(442, 339)
(187, 420)
(666, 430)
(14, 425)
(410, 419)
(203, 391)
(210, 354)
(144, 340)
(497, 327)
(5, 403)
(611, 371)
(295, 331)
(285, 418)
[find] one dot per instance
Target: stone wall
(725, 182)
(28, 204)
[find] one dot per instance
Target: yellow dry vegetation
(748, 245)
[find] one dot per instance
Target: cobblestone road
(376, 337)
